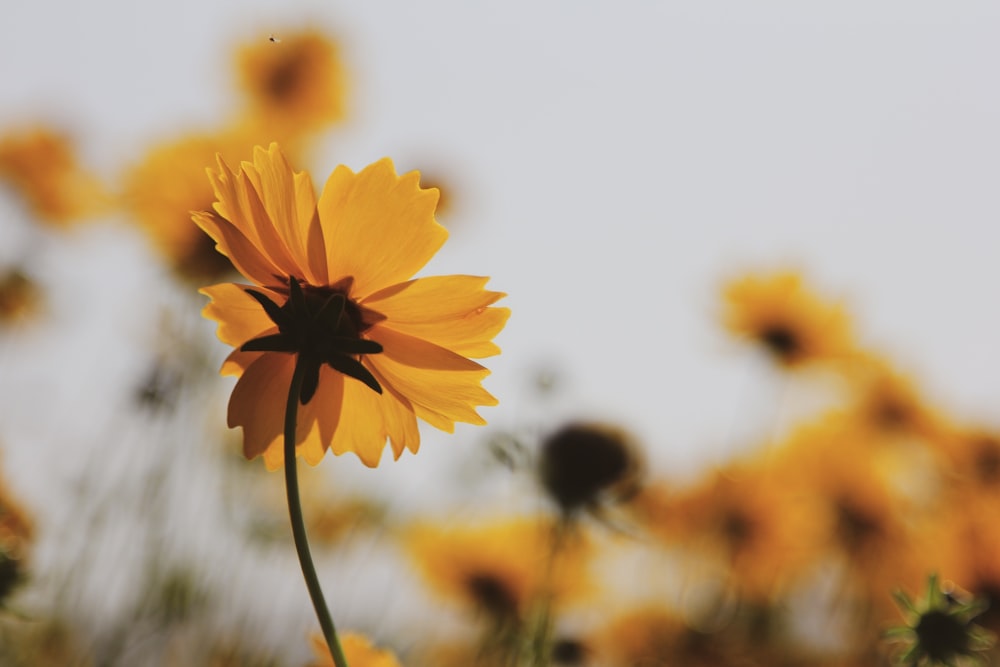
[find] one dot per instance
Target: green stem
(299, 526)
(541, 635)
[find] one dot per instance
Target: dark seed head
(492, 595)
(580, 463)
(781, 341)
(942, 636)
(569, 652)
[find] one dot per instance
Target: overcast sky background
(612, 164)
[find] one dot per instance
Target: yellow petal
(258, 402)
(238, 361)
(432, 299)
(449, 311)
(241, 250)
(379, 227)
(431, 377)
(290, 204)
(238, 201)
(361, 428)
(316, 422)
(240, 317)
(399, 418)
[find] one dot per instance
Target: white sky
(615, 162)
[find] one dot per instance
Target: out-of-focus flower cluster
(789, 555)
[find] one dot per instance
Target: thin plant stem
(541, 634)
(298, 524)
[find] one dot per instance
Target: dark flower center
(322, 326)
(857, 528)
(942, 636)
(738, 528)
(492, 594)
(569, 652)
(284, 79)
(580, 462)
(987, 461)
(781, 341)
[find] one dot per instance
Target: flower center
(322, 326)
(781, 341)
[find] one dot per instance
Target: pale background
(613, 164)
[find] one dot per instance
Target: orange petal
(241, 250)
(238, 361)
(430, 377)
(258, 402)
(290, 205)
(434, 298)
(238, 201)
(379, 227)
(449, 311)
(361, 428)
(240, 317)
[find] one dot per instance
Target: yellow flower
(162, 190)
(332, 291)
(782, 315)
(294, 83)
(859, 518)
(889, 404)
(41, 164)
(497, 568)
(742, 515)
(358, 650)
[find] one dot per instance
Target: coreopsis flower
(582, 465)
(294, 82)
(889, 404)
(743, 518)
(358, 650)
(857, 515)
(940, 629)
(498, 569)
(782, 315)
(332, 291)
(42, 165)
(161, 191)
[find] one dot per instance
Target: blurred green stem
(541, 633)
(298, 525)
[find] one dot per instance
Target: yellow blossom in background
(358, 651)
(889, 404)
(971, 463)
(498, 568)
(41, 165)
(161, 191)
(781, 314)
(742, 516)
(860, 519)
(395, 349)
(293, 82)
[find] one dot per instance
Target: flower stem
(298, 525)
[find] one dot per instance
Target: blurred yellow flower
(498, 568)
(888, 404)
(41, 165)
(379, 349)
(790, 322)
(859, 518)
(294, 83)
(161, 191)
(742, 515)
(358, 650)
